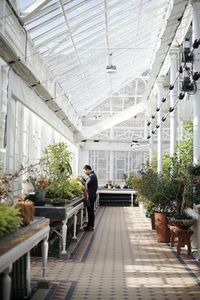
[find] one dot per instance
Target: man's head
(87, 169)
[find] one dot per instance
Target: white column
(173, 98)
(3, 112)
(159, 122)
(196, 97)
(86, 215)
(64, 236)
(6, 283)
(151, 143)
(45, 247)
(28, 273)
(75, 223)
(81, 218)
(132, 199)
(111, 160)
(11, 129)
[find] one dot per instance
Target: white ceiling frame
(88, 108)
(60, 15)
(118, 25)
(52, 39)
(33, 8)
(63, 50)
(86, 38)
(64, 40)
(45, 23)
(116, 49)
(74, 28)
(74, 45)
(116, 22)
(43, 12)
(63, 64)
(50, 31)
(88, 132)
(100, 100)
(78, 16)
(121, 30)
(104, 80)
(125, 74)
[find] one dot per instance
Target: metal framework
(76, 38)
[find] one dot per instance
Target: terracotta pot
(153, 227)
(27, 210)
(162, 229)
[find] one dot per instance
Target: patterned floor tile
(121, 260)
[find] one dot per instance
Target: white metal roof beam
(33, 8)
(170, 39)
(126, 114)
(73, 42)
(100, 100)
(49, 9)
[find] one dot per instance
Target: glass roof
(78, 39)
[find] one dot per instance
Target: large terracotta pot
(162, 229)
(26, 209)
(153, 227)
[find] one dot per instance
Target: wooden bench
(183, 236)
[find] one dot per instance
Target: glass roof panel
(24, 3)
(77, 37)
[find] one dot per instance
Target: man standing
(91, 186)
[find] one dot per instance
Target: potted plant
(60, 193)
(9, 219)
(163, 194)
(194, 170)
(10, 215)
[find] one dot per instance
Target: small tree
(58, 159)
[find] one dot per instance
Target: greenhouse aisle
(122, 260)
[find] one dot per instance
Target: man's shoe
(88, 228)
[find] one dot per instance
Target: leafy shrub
(58, 161)
(64, 189)
(9, 218)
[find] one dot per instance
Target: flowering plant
(43, 182)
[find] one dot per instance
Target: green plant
(58, 161)
(64, 189)
(194, 170)
(9, 218)
(163, 193)
(133, 181)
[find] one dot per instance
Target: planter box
(57, 212)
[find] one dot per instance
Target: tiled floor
(121, 260)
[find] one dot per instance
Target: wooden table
(63, 214)
(14, 245)
(183, 236)
(117, 196)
